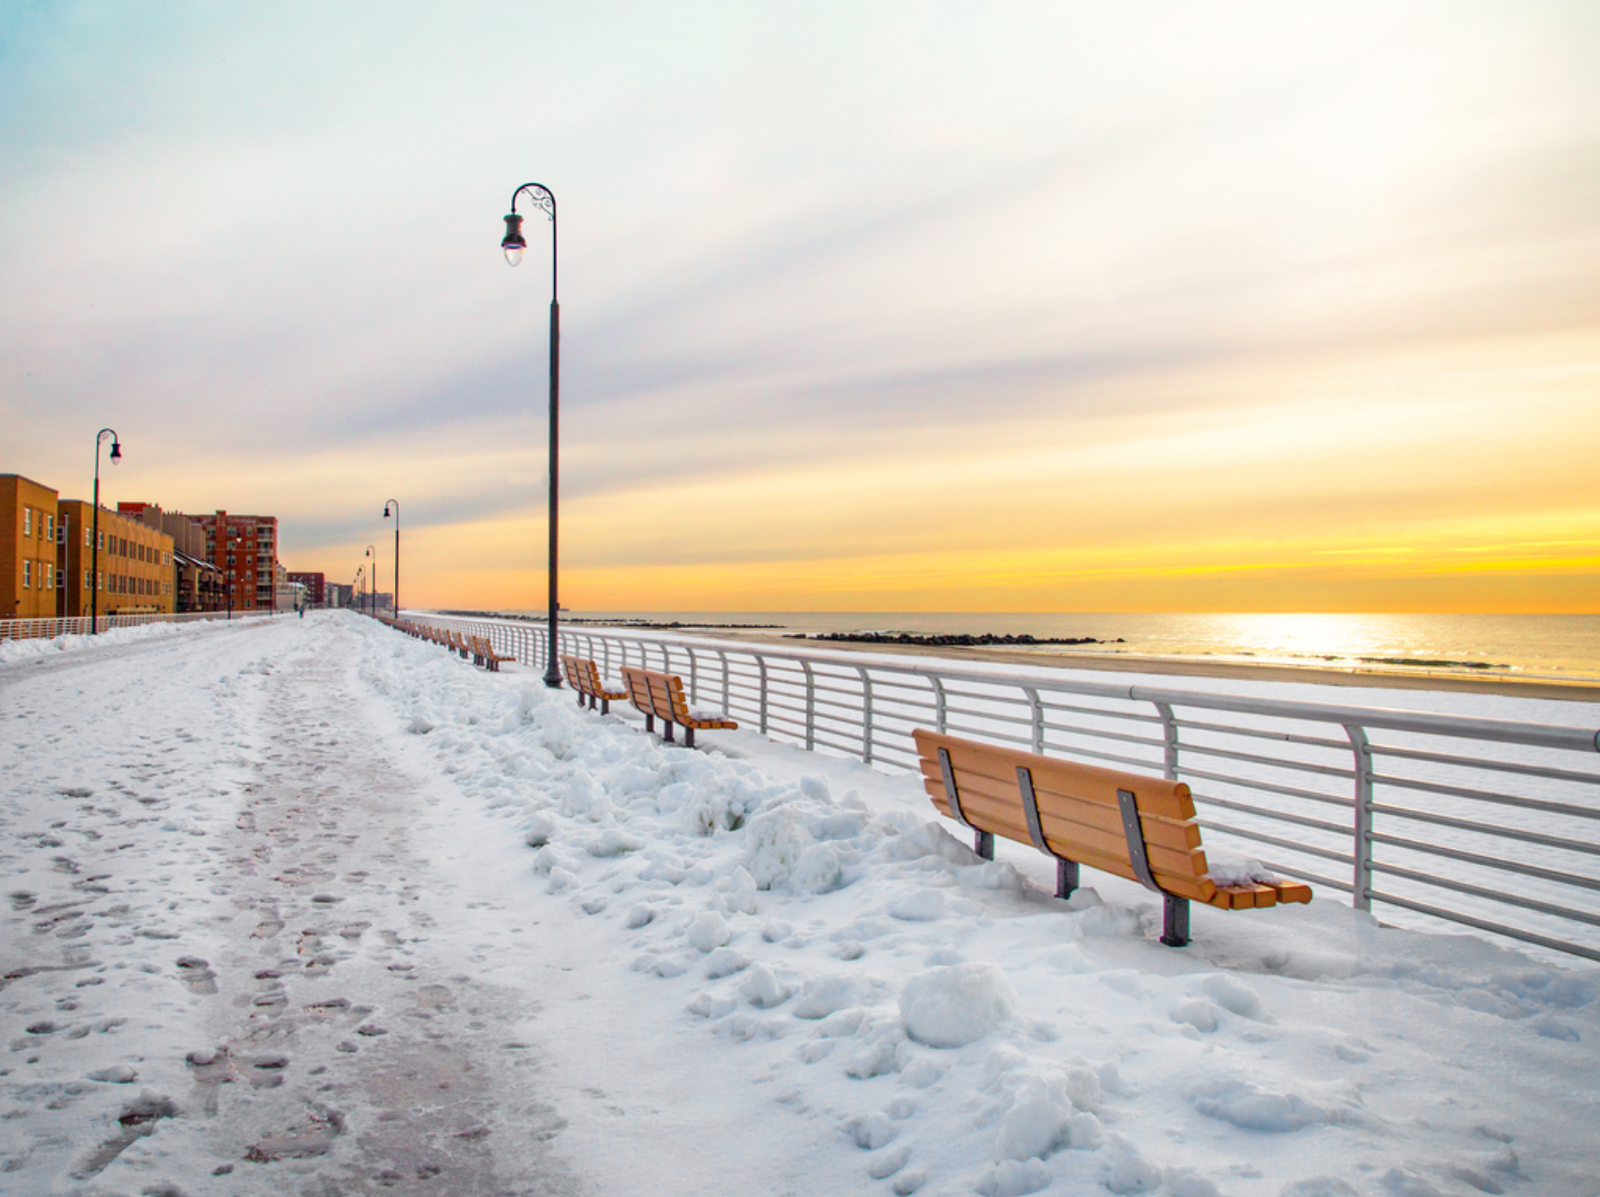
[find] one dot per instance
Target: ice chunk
(1015, 1179)
(765, 988)
(739, 889)
(612, 842)
(708, 930)
(1031, 1129)
(724, 962)
(539, 830)
(639, 916)
(871, 1132)
(952, 1007)
(822, 996)
(1247, 1105)
(1126, 1169)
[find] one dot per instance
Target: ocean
(1548, 647)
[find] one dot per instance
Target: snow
(311, 907)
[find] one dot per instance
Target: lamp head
(512, 243)
(116, 452)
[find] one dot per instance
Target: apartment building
(197, 584)
(27, 548)
(135, 569)
(245, 549)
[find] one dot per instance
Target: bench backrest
(658, 693)
(582, 674)
(1080, 812)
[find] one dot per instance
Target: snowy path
(276, 927)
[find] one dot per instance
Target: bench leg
(666, 731)
(605, 706)
(580, 699)
(983, 844)
(1174, 921)
(1066, 877)
(688, 737)
(649, 723)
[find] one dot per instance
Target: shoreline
(1355, 676)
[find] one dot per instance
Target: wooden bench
(660, 695)
(483, 654)
(1141, 828)
(583, 675)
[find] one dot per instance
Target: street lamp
(395, 503)
(513, 244)
(372, 607)
(356, 586)
(94, 567)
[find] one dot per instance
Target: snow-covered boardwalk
(310, 907)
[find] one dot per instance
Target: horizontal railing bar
(990, 735)
(1269, 787)
(1233, 729)
(1263, 838)
(1467, 920)
(1100, 712)
(1251, 758)
(990, 715)
(1068, 729)
(1488, 862)
(1494, 895)
(1549, 772)
(1435, 787)
(1494, 829)
(1278, 815)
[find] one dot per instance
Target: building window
(27, 521)
(61, 579)
(49, 576)
(27, 574)
(49, 526)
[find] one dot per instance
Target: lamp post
(372, 579)
(229, 544)
(356, 586)
(395, 503)
(513, 244)
(94, 567)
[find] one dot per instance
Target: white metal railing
(78, 625)
(1468, 820)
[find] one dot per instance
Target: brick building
(135, 566)
(315, 584)
(245, 549)
(27, 548)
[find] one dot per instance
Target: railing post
(762, 662)
(811, 706)
(866, 714)
(1169, 742)
(1036, 713)
(727, 706)
(694, 693)
(1362, 879)
(940, 723)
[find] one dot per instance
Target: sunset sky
(888, 307)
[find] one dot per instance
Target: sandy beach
(1389, 679)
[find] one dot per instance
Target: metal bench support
(982, 841)
(1174, 921)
